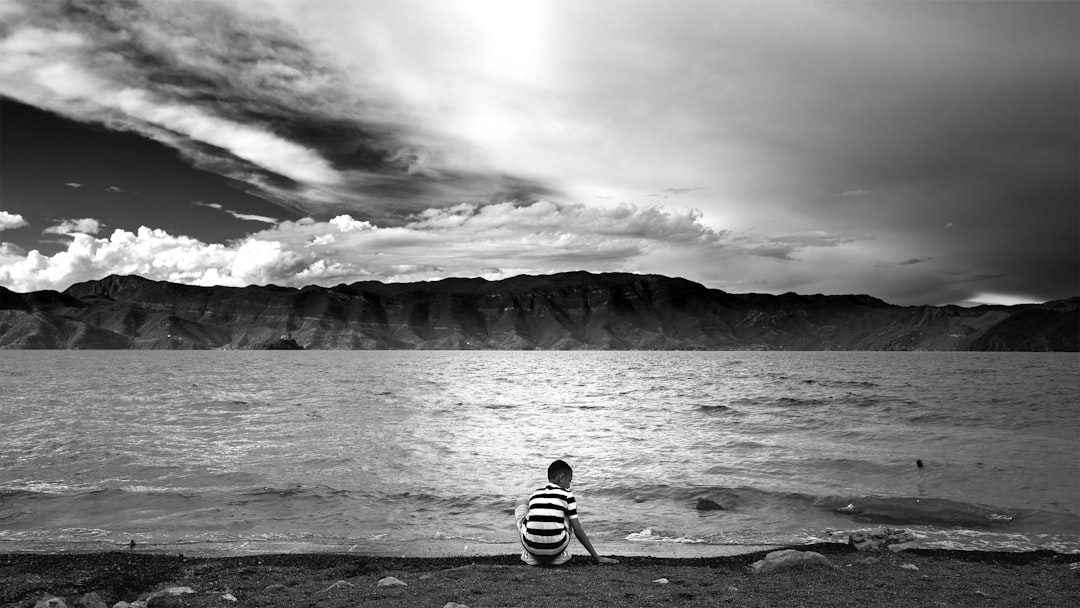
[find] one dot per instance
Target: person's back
(548, 518)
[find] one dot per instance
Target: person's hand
(606, 560)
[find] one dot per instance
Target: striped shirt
(545, 530)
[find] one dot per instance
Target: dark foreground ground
(942, 578)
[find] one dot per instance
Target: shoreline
(909, 578)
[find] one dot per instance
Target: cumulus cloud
(81, 226)
(11, 221)
(493, 241)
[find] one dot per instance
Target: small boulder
(50, 601)
(168, 597)
(877, 540)
(790, 559)
(391, 582)
(706, 504)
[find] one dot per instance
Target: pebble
(339, 584)
(391, 582)
(909, 567)
(92, 600)
(175, 591)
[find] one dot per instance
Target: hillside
(577, 310)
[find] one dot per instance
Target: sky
(921, 152)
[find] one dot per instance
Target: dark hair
(558, 468)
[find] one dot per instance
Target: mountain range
(567, 311)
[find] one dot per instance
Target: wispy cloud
(119, 190)
(669, 192)
(240, 216)
(243, 96)
(786, 246)
(73, 184)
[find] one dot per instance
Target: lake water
(404, 451)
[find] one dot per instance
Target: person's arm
(585, 542)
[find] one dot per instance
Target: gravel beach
(850, 578)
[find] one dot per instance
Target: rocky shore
(834, 575)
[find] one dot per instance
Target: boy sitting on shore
(548, 518)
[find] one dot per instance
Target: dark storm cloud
(247, 98)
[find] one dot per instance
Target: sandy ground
(917, 578)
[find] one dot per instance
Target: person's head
(560, 473)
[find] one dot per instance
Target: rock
(901, 547)
(876, 540)
(274, 588)
(868, 561)
(339, 584)
(121, 605)
(168, 597)
(391, 582)
(50, 601)
(229, 597)
(453, 605)
(705, 504)
(91, 600)
(661, 581)
(790, 559)
(909, 567)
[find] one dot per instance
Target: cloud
(73, 184)
(669, 192)
(11, 221)
(785, 247)
(82, 226)
(912, 261)
(240, 216)
(242, 95)
(494, 241)
(854, 193)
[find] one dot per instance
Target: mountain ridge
(566, 311)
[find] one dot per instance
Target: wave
(831, 510)
(923, 511)
(647, 535)
(716, 409)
